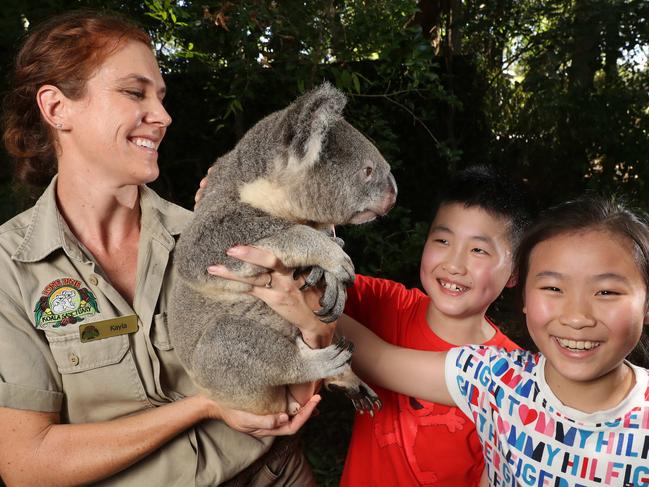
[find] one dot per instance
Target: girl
(574, 414)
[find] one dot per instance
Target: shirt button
(93, 280)
(74, 360)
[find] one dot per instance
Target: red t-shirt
(410, 441)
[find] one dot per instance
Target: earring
(58, 125)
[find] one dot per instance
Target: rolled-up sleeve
(29, 378)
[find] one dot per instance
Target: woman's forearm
(93, 451)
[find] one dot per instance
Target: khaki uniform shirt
(51, 287)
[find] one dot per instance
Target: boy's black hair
(591, 212)
(487, 188)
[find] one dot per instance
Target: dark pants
(284, 465)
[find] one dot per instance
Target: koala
(295, 174)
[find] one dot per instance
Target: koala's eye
(368, 171)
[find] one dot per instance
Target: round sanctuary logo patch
(64, 302)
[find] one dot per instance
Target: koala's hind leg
(325, 362)
(362, 396)
(245, 364)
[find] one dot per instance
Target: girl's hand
(281, 291)
(262, 425)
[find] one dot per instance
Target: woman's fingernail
(283, 418)
(234, 251)
(216, 269)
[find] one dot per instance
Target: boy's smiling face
(466, 262)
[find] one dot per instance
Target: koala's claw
(343, 344)
(314, 276)
(333, 300)
(370, 401)
(329, 298)
(363, 398)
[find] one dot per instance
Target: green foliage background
(556, 92)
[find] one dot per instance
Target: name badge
(108, 328)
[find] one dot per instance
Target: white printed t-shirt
(530, 438)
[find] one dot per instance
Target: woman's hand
(281, 291)
(201, 189)
(262, 425)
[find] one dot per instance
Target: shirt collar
(162, 219)
(48, 230)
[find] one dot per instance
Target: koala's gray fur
(296, 172)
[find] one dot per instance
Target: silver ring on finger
(269, 284)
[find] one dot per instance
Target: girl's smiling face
(585, 303)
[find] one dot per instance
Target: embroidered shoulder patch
(64, 302)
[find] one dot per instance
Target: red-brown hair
(63, 51)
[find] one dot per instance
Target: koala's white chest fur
(269, 197)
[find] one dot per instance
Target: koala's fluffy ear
(309, 119)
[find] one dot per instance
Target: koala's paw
(313, 277)
(329, 361)
(333, 300)
(364, 399)
(339, 241)
(340, 265)
(331, 233)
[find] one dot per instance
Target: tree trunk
(429, 17)
(585, 52)
(456, 23)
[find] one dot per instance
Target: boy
(466, 263)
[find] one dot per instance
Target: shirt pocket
(72, 356)
(100, 378)
(160, 333)
(173, 379)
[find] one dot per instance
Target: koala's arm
(213, 231)
(303, 246)
(225, 225)
(228, 224)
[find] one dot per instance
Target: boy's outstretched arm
(410, 372)
(407, 371)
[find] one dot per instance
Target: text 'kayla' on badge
(108, 328)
